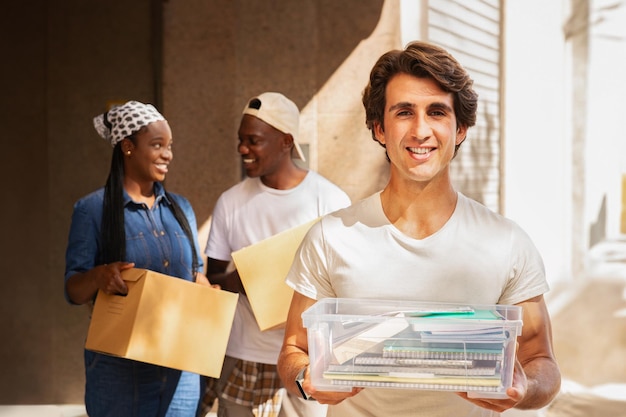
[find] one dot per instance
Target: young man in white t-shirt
(419, 239)
(276, 195)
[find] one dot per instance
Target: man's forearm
(228, 281)
(544, 383)
(290, 361)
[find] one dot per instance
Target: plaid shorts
(249, 384)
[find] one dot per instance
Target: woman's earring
(128, 152)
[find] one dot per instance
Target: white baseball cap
(279, 112)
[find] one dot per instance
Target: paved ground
(589, 331)
(590, 334)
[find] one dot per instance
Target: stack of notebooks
(454, 348)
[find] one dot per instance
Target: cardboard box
(412, 345)
(263, 268)
(165, 321)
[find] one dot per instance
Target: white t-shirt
(477, 257)
(249, 212)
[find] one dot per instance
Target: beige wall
(216, 58)
(64, 61)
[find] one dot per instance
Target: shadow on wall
(342, 148)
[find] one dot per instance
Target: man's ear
(379, 133)
(461, 133)
(288, 141)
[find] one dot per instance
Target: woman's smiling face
(151, 153)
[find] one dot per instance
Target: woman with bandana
(133, 222)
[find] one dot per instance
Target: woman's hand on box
(108, 277)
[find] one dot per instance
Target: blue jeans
(117, 387)
(187, 396)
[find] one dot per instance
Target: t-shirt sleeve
(527, 276)
(309, 273)
(218, 246)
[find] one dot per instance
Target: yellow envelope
(263, 268)
(164, 321)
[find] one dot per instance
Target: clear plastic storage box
(412, 345)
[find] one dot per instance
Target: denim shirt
(154, 238)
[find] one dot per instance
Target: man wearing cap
(276, 195)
